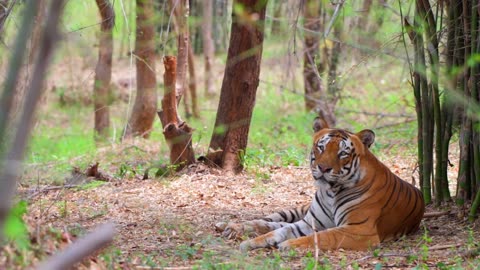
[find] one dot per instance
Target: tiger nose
(324, 168)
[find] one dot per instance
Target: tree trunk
(240, 83)
(181, 14)
(145, 107)
(192, 82)
(32, 50)
(312, 79)
(14, 75)
(177, 133)
(362, 22)
(5, 10)
(103, 71)
(277, 21)
(208, 47)
(333, 80)
(11, 164)
(191, 105)
(220, 31)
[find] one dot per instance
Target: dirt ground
(170, 222)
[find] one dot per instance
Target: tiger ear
(319, 124)
(367, 137)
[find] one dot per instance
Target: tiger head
(337, 153)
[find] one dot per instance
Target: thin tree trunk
(208, 47)
(145, 107)
(9, 167)
(32, 53)
(181, 14)
(103, 71)
(277, 17)
(220, 31)
(416, 79)
(239, 86)
(448, 112)
(5, 9)
(333, 80)
(192, 82)
(464, 172)
(432, 48)
(12, 79)
(364, 16)
(421, 92)
(177, 133)
(312, 79)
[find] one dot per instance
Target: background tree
(180, 10)
(177, 133)
(186, 59)
(5, 9)
(145, 107)
(312, 79)
(220, 16)
(279, 7)
(11, 157)
(192, 83)
(316, 98)
(240, 83)
(208, 46)
(103, 71)
(441, 107)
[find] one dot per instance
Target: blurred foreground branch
(11, 165)
(80, 249)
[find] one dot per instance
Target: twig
(469, 254)
(47, 189)
(408, 120)
(440, 247)
(436, 214)
(334, 18)
(80, 249)
(11, 165)
(384, 256)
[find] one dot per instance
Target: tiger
(358, 204)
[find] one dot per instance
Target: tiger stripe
(359, 202)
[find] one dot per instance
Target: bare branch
(11, 167)
(80, 249)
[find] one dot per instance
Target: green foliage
(64, 141)
(186, 252)
(92, 185)
(15, 229)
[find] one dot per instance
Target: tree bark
(208, 47)
(362, 22)
(192, 82)
(5, 10)
(9, 166)
(177, 133)
(220, 30)
(103, 71)
(181, 10)
(240, 83)
(32, 49)
(145, 107)
(312, 79)
(278, 17)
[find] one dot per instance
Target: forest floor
(169, 222)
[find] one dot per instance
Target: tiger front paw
(245, 246)
(233, 231)
(298, 243)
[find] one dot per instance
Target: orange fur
(369, 204)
